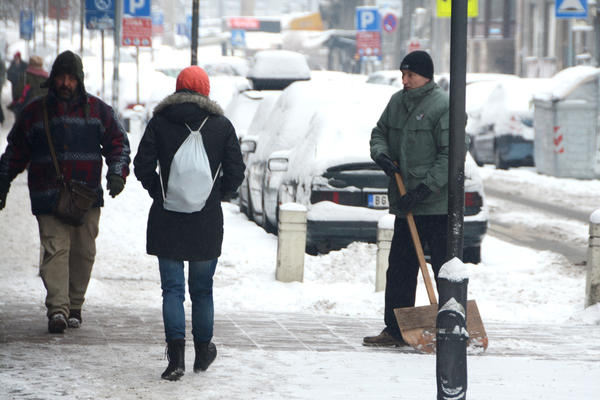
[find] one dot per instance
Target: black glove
(413, 197)
(115, 184)
(4, 186)
(387, 165)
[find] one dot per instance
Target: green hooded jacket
(414, 132)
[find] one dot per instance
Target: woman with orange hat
(197, 236)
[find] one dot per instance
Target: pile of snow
(566, 81)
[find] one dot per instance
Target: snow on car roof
(279, 64)
(514, 96)
(339, 128)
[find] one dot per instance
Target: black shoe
(206, 352)
(176, 357)
(384, 339)
(57, 323)
(74, 320)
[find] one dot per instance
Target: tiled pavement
(280, 331)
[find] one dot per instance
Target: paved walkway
(293, 332)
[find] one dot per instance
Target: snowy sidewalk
(287, 332)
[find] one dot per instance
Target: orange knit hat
(193, 78)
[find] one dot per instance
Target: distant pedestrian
(30, 84)
(15, 72)
(81, 129)
(411, 138)
(2, 80)
(194, 235)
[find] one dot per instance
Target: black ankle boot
(206, 352)
(176, 357)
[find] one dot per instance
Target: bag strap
(162, 186)
(199, 129)
(50, 144)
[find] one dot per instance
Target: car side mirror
(248, 146)
(278, 164)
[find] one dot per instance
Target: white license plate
(378, 201)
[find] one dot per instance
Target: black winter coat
(196, 236)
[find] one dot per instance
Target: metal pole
(137, 73)
(456, 161)
(570, 50)
(34, 25)
(117, 39)
(103, 79)
(58, 13)
(81, 25)
(44, 24)
(451, 354)
(195, 21)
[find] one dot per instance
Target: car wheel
(247, 210)
(311, 249)
(267, 226)
(250, 208)
(498, 161)
(472, 255)
(475, 158)
(243, 208)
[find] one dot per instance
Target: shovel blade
(417, 325)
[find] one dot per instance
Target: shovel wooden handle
(417, 242)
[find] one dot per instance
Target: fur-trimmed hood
(212, 107)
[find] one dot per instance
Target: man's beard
(64, 93)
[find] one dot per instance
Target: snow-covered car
(283, 128)
(277, 69)
(248, 144)
(330, 171)
(505, 135)
(391, 77)
(443, 79)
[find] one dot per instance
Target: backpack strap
(162, 186)
(199, 129)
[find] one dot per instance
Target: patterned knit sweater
(80, 139)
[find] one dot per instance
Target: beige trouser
(68, 256)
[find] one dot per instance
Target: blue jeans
(200, 280)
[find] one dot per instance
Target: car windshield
(360, 175)
(527, 122)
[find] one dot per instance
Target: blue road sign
(571, 9)
(238, 38)
(26, 25)
(368, 19)
(158, 18)
(136, 8)
(100, 14)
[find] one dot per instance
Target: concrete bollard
(592, 287)
(385, 232)
(291, 243)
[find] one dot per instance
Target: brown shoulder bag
(74, 198)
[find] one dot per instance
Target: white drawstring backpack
(190, 177)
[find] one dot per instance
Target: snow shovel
(417, 324)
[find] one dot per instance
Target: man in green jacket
(411, 138)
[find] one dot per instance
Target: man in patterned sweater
(83, 129)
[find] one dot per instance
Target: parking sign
(136, 8)
(368, 19)
(26, 24)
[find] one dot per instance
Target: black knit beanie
(419, 62)
(66, 62)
